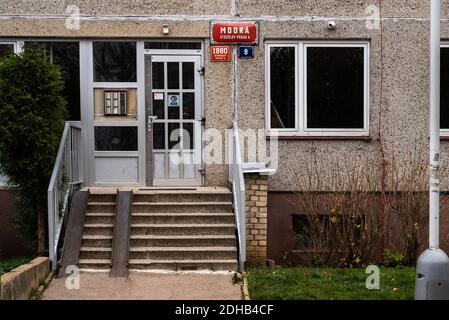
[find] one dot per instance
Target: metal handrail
(237, 183)
(66, 176)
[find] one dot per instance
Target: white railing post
(67, 167)
(51, 239)
(237, 182)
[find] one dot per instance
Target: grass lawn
(7, 264)
(298, 283)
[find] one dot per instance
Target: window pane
(116, 138)
(158, 75)
(282, 87)
(158, 136)
(444, 103)
(66, 56)
(158, 105)
(114, 61)
(188, 77)
(188, 105)
(173, 105)
(335, 88)
(173, 75)
(6, 49)
(187, 136)
(174, 135)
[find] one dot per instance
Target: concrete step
(100, 253)
(179, 265)
(96, 264)
(171, 229)
(96, 241)
(183, 240)
(202, 218)
(183, 253)
(100, 217)
(102, 197)
(182, 207)
(183, 197)
(103, 207)
(182, 229)
(99, 229)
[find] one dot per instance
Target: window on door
(318, 88)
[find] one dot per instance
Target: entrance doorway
(173, 106)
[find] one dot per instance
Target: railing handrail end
(59, 155)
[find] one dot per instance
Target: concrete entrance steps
(184, 265)
(96, 243)
(171, 229)
(183, 230)
(182, 240)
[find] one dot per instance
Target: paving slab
(147, 286)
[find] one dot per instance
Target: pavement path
(147, 286)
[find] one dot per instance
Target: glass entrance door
(174, 113)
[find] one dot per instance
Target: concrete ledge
(17, 284)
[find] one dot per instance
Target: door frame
(147, 109)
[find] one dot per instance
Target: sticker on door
(173, 100)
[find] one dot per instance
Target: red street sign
(220, 53)
(234, 32)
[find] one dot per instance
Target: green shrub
(393, 259)
(7, 264)
(32, 113)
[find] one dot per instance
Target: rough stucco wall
(218, 110)
(406, 86)
(404, 125)
(291, 8)
(117, 7)
(102, 29)
(329, 8)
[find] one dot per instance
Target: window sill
(327, 138)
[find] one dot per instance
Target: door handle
(150, 122)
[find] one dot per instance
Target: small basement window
(302, 232)
(309, 231)
(318, 88)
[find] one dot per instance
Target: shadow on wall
(12, 244)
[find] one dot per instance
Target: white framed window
(317, 88)
(10, 46)
(444, 94)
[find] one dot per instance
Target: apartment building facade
(348, 80)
